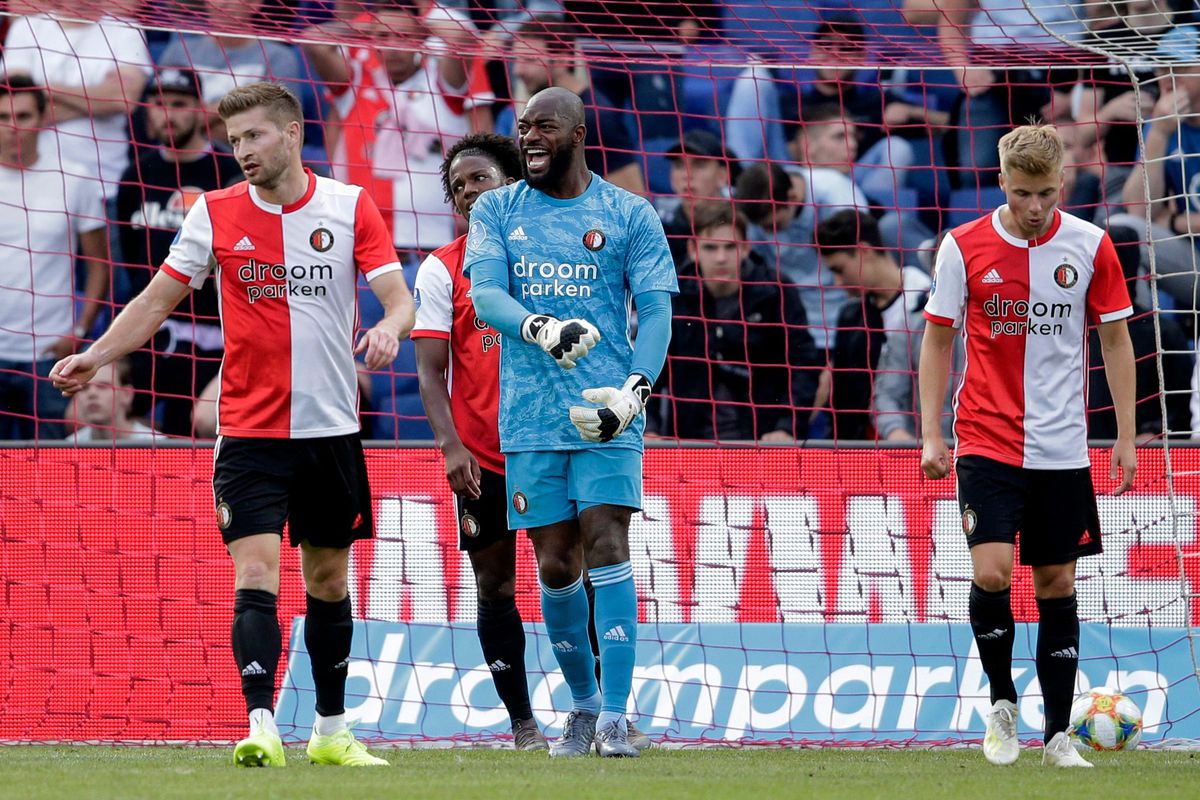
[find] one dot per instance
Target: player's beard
(556, 170)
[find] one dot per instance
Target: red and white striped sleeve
(1108, 296)
(191, 259)
(434, 297)
(948, 298)
(374, 253)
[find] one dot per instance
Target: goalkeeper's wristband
(639, 386)
(532, 326)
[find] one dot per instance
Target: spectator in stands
(1176, 362)
(701, 169)
(101, 411)
(50, 215)
(765, 104)
(227, 62)
(394, 113)
(781, 232)
(741, 364)
(879, 331)
(156, 192)
(93, 73)
(543, 54)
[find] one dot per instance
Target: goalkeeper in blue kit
(554, 261)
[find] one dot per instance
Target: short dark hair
(556, 33)
(716, 213)
(277, 99)
(845, 231)
(500, 149)
(12, 84)
(760, 189)
(821, 113)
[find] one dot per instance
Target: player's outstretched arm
(132, 328)
(382, 343)
(1120, 371)
(933, 373)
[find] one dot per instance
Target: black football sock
(994, 628)
(328, 629)
(1057, 659)
(502, 638)
(593, 637)
(256, 645)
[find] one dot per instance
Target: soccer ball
(1105, 719)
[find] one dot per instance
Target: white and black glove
(566, 341)
(619, 407)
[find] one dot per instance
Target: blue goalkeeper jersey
(581, 258)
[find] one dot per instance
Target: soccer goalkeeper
(554, 260)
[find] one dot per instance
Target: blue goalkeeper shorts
(554, 486)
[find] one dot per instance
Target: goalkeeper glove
(619, 408)
(566, 341)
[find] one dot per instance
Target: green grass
(67, 773)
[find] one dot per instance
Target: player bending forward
(1022, 284)
(553, 262)
(285, 248)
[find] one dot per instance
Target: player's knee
(558, 571)
(1059, 583)
(327, 583)
(495, 588)
(993, 579)
(255, 574)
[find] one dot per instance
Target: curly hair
(500, 149)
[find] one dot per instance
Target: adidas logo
(616, 634)
(993, 277)
(518, 235)
(996, 634)
(564, 647)
(498, 666)
(1066, 652)
(253, 668)
(244, 244)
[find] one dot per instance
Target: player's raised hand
(381, 347)
(566, 341)
(71, 374)
(618, 408)
(935, 458)
(1123, 465)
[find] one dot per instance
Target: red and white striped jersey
(1024, 307)
(445, 311)
(287, 280)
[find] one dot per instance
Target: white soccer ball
(1105, 719)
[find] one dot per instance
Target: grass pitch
(31, 773)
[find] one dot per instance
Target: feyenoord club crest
(520, 502)
(594, 239)
(969, 520)
(470, 526)
(321, 239)
(224, 515)
(1065, 275)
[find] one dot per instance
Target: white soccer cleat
(1060, 752)
(1000, 745)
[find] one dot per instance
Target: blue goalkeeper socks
(566, 614)
(616, 624)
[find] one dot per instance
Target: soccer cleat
(526, 736)
(1000, 744)
(577, 736)
(341, 749)
(612, 741)
(1060, 752)
(262, 748)
(637, 737)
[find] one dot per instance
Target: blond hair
(281, 105)
(1032, 149)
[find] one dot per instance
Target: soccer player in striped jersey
(1021, 285)
(285, 248)
(556, 262)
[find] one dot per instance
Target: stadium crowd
(802, 205)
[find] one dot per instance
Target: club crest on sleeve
(224, 515)
(321, 239)
(594, 239)
(970, 520)
(520, 502)
(477, 235)
(1065, 275)
(469, 525)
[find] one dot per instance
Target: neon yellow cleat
(341, 749)
(261, 748)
